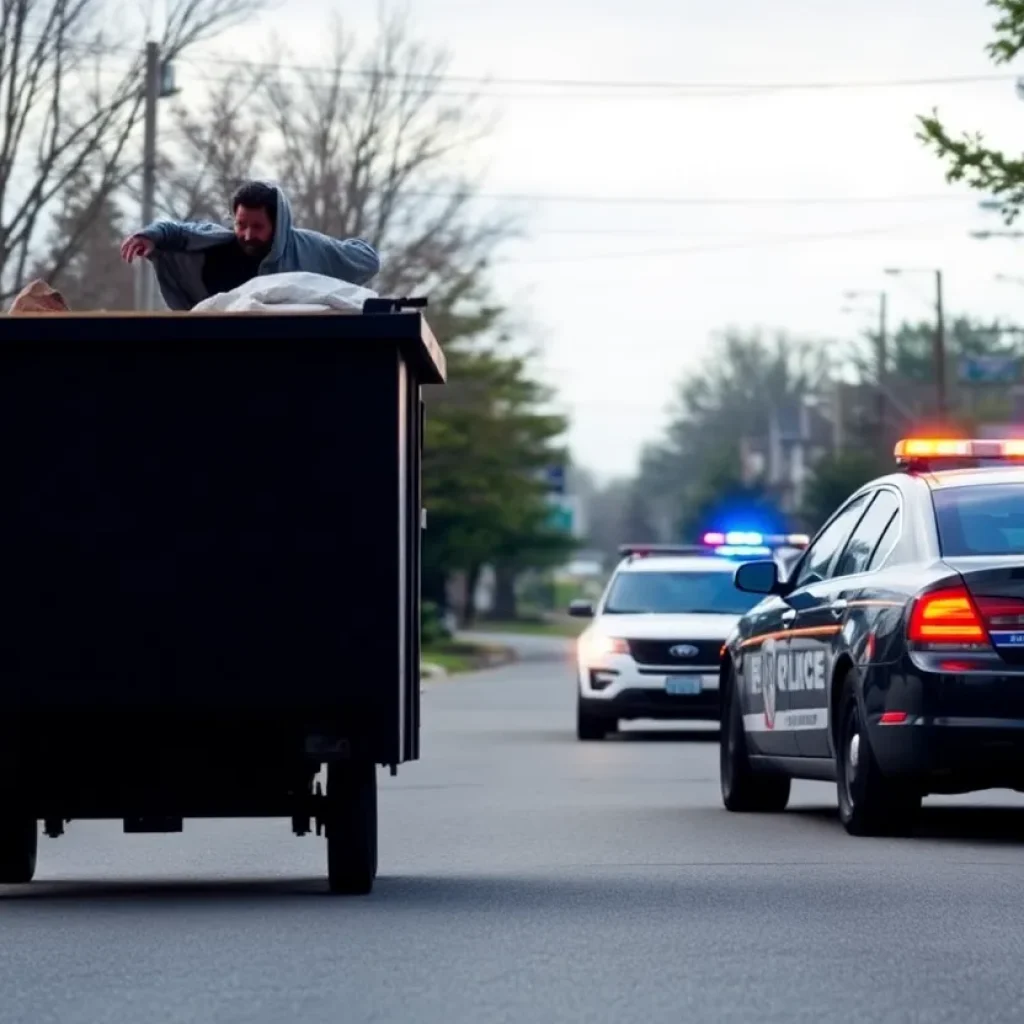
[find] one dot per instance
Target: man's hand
(135, 247)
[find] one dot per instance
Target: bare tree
(368, 145)
(93, 275)
(216, 147)
(71, 101)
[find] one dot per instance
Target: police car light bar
(761, 541)
(645, 550)
(921, 451)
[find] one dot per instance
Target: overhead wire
(626, 85)
(768, 241)
(646, 200)
(698, 89)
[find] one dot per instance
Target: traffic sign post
(554, 479)
(560, 518)
(989, 369)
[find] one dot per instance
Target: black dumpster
(209, 571)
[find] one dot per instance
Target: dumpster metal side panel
(411, 429)
(405, 554)
(196, 530)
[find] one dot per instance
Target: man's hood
(282, 228)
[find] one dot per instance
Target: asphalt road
(528, 878)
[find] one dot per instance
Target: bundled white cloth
(297, 292)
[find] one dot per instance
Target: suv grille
(656, 652)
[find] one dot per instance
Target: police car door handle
(788, 617)
(839, 607)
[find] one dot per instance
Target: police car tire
(872, 804)
(19, 843)
(743, 789)
(351, 821)
(592, 727)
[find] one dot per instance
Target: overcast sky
(624, 296)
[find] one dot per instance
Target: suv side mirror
(757, 578)
(581, 609)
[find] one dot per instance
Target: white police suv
(653, 648)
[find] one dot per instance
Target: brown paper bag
(38, 297)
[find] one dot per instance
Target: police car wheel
(351, 820)
(743, 789)
(593, 727)
(19, 841)
(870, 803)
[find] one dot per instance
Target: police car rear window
(986, 519)
(677, 593)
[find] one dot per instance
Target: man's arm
(175, 236)
(349, 259)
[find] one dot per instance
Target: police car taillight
(946, 618)
(1002, 612)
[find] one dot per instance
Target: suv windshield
(980, 520)
(677, 593)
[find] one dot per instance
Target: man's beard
(257, 250)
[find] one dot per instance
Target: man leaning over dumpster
(194, 260)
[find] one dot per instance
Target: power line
(709, 87)
(767, 241)
(550, 89)
(642, 200)
(703, 88)
(477, 86)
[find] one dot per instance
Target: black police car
(891, 660)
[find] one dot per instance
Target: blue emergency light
(751, 544)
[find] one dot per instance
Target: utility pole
(838, 431)
(940, 349)
(939, 345)
(883, 368)
(145, 291)
(881, 357)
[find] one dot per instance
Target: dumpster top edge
(409, 330)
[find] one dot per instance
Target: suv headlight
(594, 646)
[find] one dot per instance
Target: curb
(495, 657)
(492, 657)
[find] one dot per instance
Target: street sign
(989, 369)
(560, 518)
(564, 514)
(554, 479)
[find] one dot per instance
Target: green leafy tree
(487, 440)
(489, 434)
(967, 156)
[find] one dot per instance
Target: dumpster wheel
(19, 841)
(350, 819)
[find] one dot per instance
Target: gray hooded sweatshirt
(180, 250)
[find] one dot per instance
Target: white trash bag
(297, 292)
